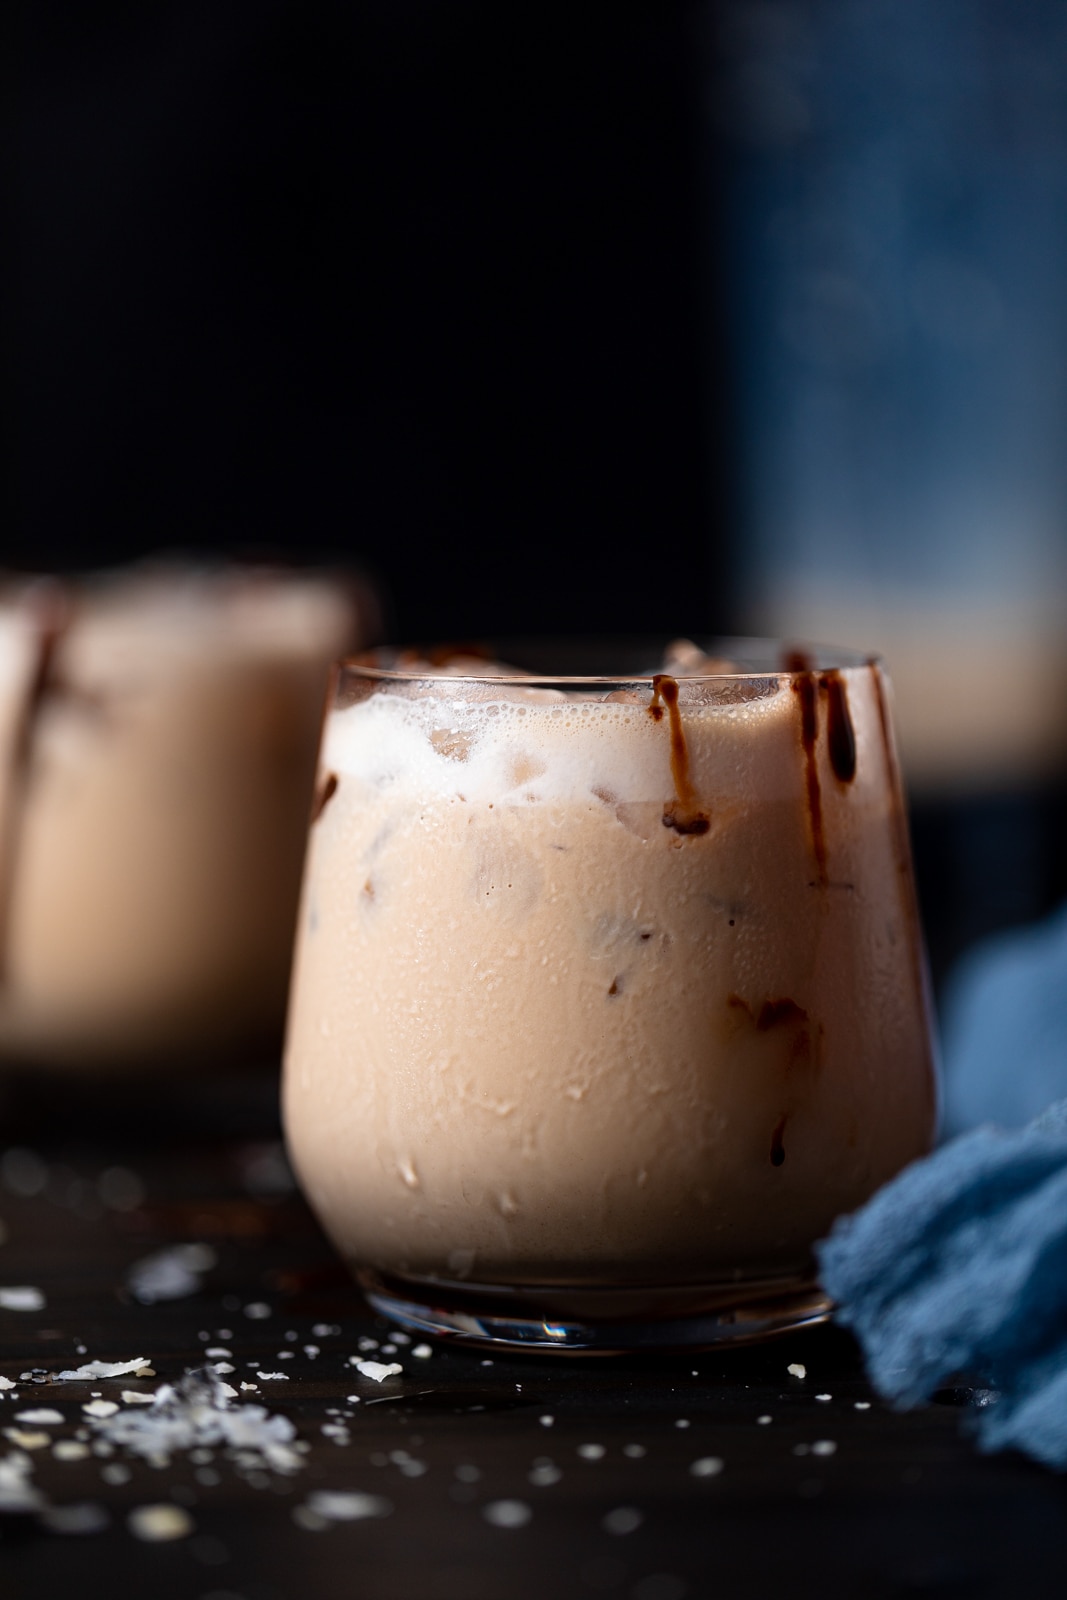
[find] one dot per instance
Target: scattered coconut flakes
(624, 1519)
(682, 1422)
(26, 1440)
(159, 1523)
(271, 1377)
(220, 1351)
(507, 1513)
(137, 1368)
(546, 1422)
(197, 1411)
(824, 1447)
(824, 1397)
(707, 1467)
(83, 1517)
(137, 1397)
(224, 1366)
(423, 1351)
(100, 1408)
(6, 1383)
(862, 1405)
(17, 1493)
(250, 1386)
(797, 1369)
(257, 1310)
(543, 1474)
(634, 1451)
(70, 1450)
(44, 1416)
(116, 1473)
(762, 1422)
(378, 1371)
(347, 1505)
(170, 1274)
(21, 1298)
(591, 1452)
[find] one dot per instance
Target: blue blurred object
(1005, 1028)
(958, 1269)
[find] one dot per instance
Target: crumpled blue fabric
(957, 1269)
(1004, 1028)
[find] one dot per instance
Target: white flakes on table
(507, 1513)
(171, 1274)
(591, 1452)
(258, 1310)
(862, 1405)
(100, 1408)
(25, 1439)
(546, 1422)
(271, 1377)
(367, 1343)
(21, 1297)
(160, 1523)
(70, 1450)
(634, 1451)
(797, 1369)
(824, 1397)
(377, 1371)
(6, 1383)
(197, 1412)
(82, 1517)
(222, 1367)
(423, 1351)
(219, 1351)
(17, 1493)
(139, 1367)
(286, 1355)
(761, 1422)
(624, 1519)
(44, 1416)
(250, 1386)
(347, 1505)
(682, 1422)
(116, 1473)
(543, 1473)
(824, 1447)
(707, 1467)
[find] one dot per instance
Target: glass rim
(785, 659)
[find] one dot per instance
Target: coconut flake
(159, 1523)
(138, 1367)
(17, 1493)
(43, 1416)
(196, 1412)
(170, 1274)
(21, 1298)
(378, 1371)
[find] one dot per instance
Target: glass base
(607, 1322)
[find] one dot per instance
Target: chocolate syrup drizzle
(50, 611)
(809, 688)
(684, 813)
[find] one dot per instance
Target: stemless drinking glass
(609, 992)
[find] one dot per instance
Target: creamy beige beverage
(157, 745)
(612, 984)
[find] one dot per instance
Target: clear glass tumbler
(609, 992)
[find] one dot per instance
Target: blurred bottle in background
(897, 239)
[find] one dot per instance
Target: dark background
(424, 284)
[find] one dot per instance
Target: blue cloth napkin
(1004, 1028)
(957, 1269)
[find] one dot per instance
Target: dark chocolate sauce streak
(806, 691)
(776, 1013)
(323, 795)
(777, 1147)
(683, 813)
(840, 735)
(49, 611)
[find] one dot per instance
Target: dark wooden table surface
(608, 1471)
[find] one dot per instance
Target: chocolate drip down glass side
(609, 993)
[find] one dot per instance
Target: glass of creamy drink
(609, 991)
(158, 730)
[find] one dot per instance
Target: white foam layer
(563, 750)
